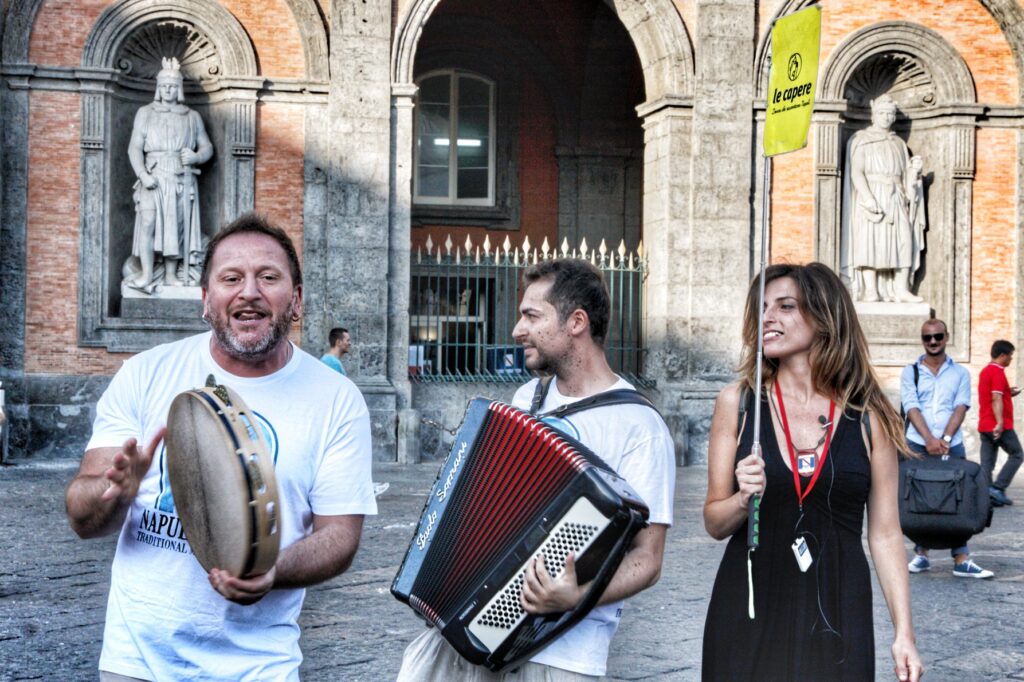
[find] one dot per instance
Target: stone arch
(657, 32)
(1009, 15)
(953, 82)
(21, 18)
(120, 20)
(313, 33)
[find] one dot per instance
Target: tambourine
(222, 479)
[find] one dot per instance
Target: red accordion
(510, 488)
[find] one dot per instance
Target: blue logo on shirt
(165, 498)
(563, 425)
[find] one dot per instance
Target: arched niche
(937, 117)
(122, 55)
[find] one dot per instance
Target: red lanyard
(801, 496)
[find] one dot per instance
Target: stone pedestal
(164, 303)
(893, 329)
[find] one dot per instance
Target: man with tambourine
(300, 445)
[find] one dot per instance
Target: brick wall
(60, 30)
(62, 26)
(272, 28)
(994, 244)
(792, 209)
(51, 297)
(279, 176)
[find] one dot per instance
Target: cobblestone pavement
(53, 590)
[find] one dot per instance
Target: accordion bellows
(511, 488)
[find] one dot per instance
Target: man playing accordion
(564, 320)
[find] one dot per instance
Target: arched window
(454, 140)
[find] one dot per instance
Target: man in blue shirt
(341, 344)
(935, 405)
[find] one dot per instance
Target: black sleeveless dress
(808, 626)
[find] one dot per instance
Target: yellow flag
(796, 40)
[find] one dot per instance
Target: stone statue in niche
(884, 196)
(168, 142)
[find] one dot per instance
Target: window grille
(464, 303)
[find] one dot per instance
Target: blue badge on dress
(805, 464)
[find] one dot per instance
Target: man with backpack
(936, 393)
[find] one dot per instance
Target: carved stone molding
(129, 22)
(923, 68)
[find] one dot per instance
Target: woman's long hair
(840, 361)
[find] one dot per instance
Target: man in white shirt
(564, 319)
(167, 618)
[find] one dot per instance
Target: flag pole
(792, 78)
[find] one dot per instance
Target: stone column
(698, 222)
(358, 206)
(828, 188)
(408, 446)
(719, 253)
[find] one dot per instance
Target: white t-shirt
(635, 442)
(164, 621)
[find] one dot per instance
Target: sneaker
(999, 498)
(920, 564)
(969, 569)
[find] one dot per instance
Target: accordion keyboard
(574, 532)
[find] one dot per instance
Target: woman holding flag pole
(796, 513)
(829, 451)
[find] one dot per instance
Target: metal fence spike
(430, 246)
(448, 244)
(487, 244)
(545, 247)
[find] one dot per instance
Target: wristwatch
(947, 439)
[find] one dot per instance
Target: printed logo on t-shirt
(563, 425)
(160, 526)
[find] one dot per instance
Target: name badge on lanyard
(805, 464)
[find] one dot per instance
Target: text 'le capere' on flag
(792, 81)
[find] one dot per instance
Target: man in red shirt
(995, 423)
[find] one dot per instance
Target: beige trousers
(429, 658)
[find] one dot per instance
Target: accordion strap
(620, 396)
